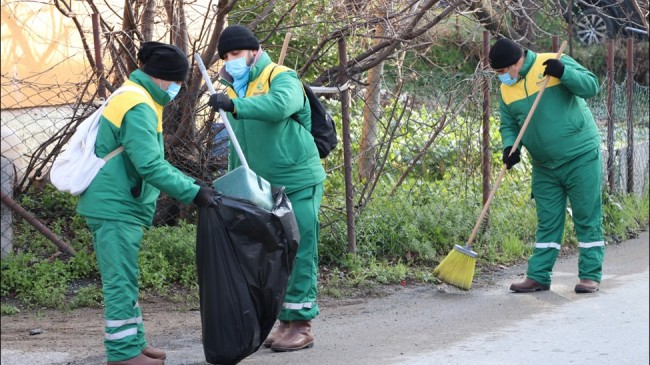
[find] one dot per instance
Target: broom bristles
(457, 268)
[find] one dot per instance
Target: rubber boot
(283, 329)
(299, 337)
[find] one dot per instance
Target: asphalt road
(428, 324)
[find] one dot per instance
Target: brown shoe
(281, 330)
(299, 337)
(154, 353)
(138, 360)
(528, 286)
(587, 286)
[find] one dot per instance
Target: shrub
(35, 281)
(167, 256)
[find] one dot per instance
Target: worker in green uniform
(122, 197)
(261, 98)
(563, 143)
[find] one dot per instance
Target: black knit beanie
(164, 61)
(504, 53)
(236, 37)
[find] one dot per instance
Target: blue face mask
(507, 79)
(173, 90)
(237, 68)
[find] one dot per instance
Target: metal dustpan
(242, 182)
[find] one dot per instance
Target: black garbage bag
(244, 256)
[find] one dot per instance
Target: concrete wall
(6, 229)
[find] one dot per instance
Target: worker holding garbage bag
(260, 101)
(121, 199)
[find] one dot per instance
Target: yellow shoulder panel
(533, 81)
(260, 86)
(122, 103)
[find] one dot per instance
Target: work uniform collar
(158, 95)
(260, 61)
(529, 60)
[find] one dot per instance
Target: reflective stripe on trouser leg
(116, 248)
(590, 262)
(302, 289)
(550, 206)
(584, 189)
(540, 263)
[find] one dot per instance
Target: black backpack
(323, 128)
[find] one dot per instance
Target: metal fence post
(570, 12)
(347, 152)
(7, 228)
(486, 119)
(630, 115)
(610, 114)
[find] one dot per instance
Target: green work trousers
(116, 246)
(579, 180)
(302, 289)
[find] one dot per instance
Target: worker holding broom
(563, 143)
(260, 101)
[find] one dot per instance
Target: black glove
(221, 101)
(206, 197)
(510, 160)
(554, 68)
(200, 183)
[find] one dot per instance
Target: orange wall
(43, 62)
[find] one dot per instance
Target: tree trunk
(147, 22)
(371, 115)
(522, 22)
(129, 28)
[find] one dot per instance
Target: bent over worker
(563, 142)
(122, 197)
(261, 99)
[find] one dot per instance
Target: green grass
(400, 239)
(8, 310)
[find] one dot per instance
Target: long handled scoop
(223, 115)
(241, 182)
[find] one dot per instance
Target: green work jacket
(562, 127)
(127, 187)
(276, 146)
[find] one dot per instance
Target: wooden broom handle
(285, 45)
(514, 147)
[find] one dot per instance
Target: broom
(458, 267)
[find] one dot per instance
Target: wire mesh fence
(428, 145)
(431, 149)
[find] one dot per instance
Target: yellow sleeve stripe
(533, 82)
